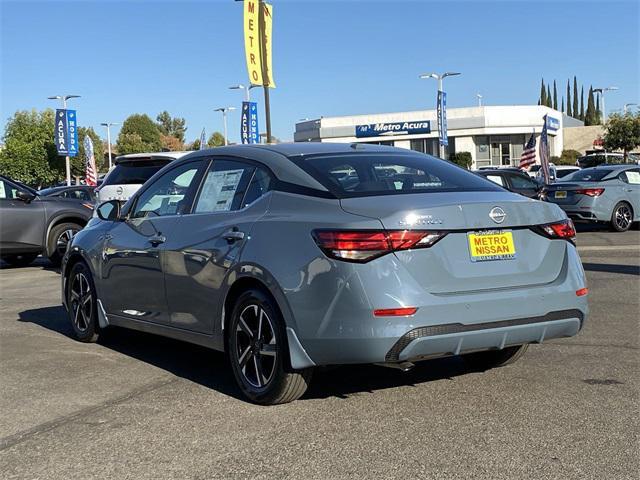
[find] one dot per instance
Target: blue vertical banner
(72, 127)
(442, 118)
(61, 133)
(249, 123)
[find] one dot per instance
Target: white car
(564, 170)
(130, 172)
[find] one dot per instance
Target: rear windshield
(588, 175)
(138, 172)
(362, 174)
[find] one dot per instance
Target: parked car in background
(608, 193)
(535, 171)
(82, 193)
(606, 158)
(564, 170)
(293, 256)
(515, 181)
(130, 172)
(34, 224)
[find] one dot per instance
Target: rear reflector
(395, 312)
(592, 192)
(364, 245)
(564, 229)
(582, 292)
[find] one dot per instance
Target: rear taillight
(564, 230)
(592, 192)
(365, 245)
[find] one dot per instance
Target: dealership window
(431, 146)
(483, 155)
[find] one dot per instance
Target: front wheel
(82, 304)
(622, 217)
(494, 358)
(257, 349)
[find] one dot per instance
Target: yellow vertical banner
(268, 28)
(252, 43)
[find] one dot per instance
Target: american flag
(91, 175)
(203, 142)
(544, 153)
(528, 156)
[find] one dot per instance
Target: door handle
(157, 240)
(233, 235)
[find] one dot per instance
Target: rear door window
(496, 179)
(224, 186)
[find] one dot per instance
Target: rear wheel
(494, 358)
(622, 217)
(82, 303)
(257, 349)
(59, 237)
(20, 260)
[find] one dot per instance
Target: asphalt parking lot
(141, 406)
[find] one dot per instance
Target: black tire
(259, 355)
(494, 358)
(621, 217)
(20, 260)
(82, 304)
(59, 237)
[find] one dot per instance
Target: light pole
(479, 99)
(224, 111)
(247, 96)
(109, 125)
(67, 161)
(439, 78)
(626, 106)
(601, 91)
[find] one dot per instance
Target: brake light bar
(364, 245)
(591, 192)
(561, 230)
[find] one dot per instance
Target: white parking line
(604, 248)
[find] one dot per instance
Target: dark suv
(32, 224)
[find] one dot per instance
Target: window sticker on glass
(218, 191)
(633, 177)
(3, 194)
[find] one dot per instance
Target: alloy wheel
(63, 240)
(256, 346)
(623, 217)
(81, 302)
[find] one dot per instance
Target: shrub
(462, 159)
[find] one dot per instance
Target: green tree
(549, 98)
(569, 111)
(598, 112)
(590, 114)
(216, 139)
(543, 94)
(555, 96)
(139, 134)
(568, 157)
(462, 159)
(582, 103)
(562, 107)
(622, 132)
(29, 154)
(575, 108)
(173, 126)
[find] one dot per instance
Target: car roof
(501, 170)
(278, 156)
(150, 156)
(67, 187)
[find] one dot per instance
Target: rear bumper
(588, 209)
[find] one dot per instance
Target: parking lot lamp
(601, 92)
(439, 78)
(224, 111)
(625, 107)
(479, 99)
(247, 95)
(67, 161)
(108, 125)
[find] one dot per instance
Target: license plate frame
(506, 249)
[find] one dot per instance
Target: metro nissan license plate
(561, 194)
(491, 245)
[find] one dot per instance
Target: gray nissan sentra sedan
(293, 256)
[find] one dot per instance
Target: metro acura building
(494, 135)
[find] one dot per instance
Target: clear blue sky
(330, 58)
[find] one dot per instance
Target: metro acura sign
(396, 128)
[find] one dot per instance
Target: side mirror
(26, 197)
(109, 210)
